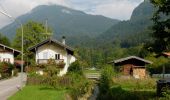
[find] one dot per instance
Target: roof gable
(51, 41)
(9, 48)
(132, 57)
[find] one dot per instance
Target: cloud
(118, 9)
(18, 7)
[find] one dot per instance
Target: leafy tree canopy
(161, 27)
(4, 40)
(34, 32)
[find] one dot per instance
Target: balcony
(46, 61)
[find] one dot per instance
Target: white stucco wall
(7, 55)
(51, 50)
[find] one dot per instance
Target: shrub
(75, 67)
(6, 69)
(34, 79)
(74, 81)
(15, 72)
(106, 79)
(80, 85)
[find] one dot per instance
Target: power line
(2, 7)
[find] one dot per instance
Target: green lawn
(133, 89)
(39, 93)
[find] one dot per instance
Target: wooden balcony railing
(45, 61)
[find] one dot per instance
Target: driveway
(10, 86)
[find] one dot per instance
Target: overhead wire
(3, 9)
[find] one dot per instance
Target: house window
(57, 56)
(45, 55)
(6, 60)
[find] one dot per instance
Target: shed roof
(166, 53)
(132, 57)
(51, 40)
(9, 48)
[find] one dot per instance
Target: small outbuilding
(132, 66)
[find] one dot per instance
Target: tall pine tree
(161, 27)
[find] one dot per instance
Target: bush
(34, 79)
(106, 79)
(74, 80)
(15, 72)
(80, 85)
(75, 67)
(6, 69)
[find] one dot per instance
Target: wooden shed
(132, 66)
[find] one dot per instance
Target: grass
(136, 84)
(135, 89)
(39, 93)
(132, 89)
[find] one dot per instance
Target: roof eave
(50, 40)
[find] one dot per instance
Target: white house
(7, 54)
(53, 49)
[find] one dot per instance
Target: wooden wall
(137, 72)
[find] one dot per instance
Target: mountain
(134, 31)
(64, 21)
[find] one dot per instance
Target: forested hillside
(134, 31)
(97, 39)
(123, 39)
(72, 23)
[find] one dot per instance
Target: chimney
(64, 40)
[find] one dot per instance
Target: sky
(116, 9)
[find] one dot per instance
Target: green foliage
(16, 72)
(34, 33)
(131, 32)
(161, 27)
(106, 79)
(99, 56)
(80, 85)
(6, 69)
(158, 64)
(75, 67)
(4, 40)
(77, 26)
(30, 92)
(130, 89)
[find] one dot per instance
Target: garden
(7, 70)
(112, 87)
(73, 85)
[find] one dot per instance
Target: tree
(4, 40)
(161, 27)
(105, 81)
(34, 33)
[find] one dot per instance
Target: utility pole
(22, 43)
(47, 34)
